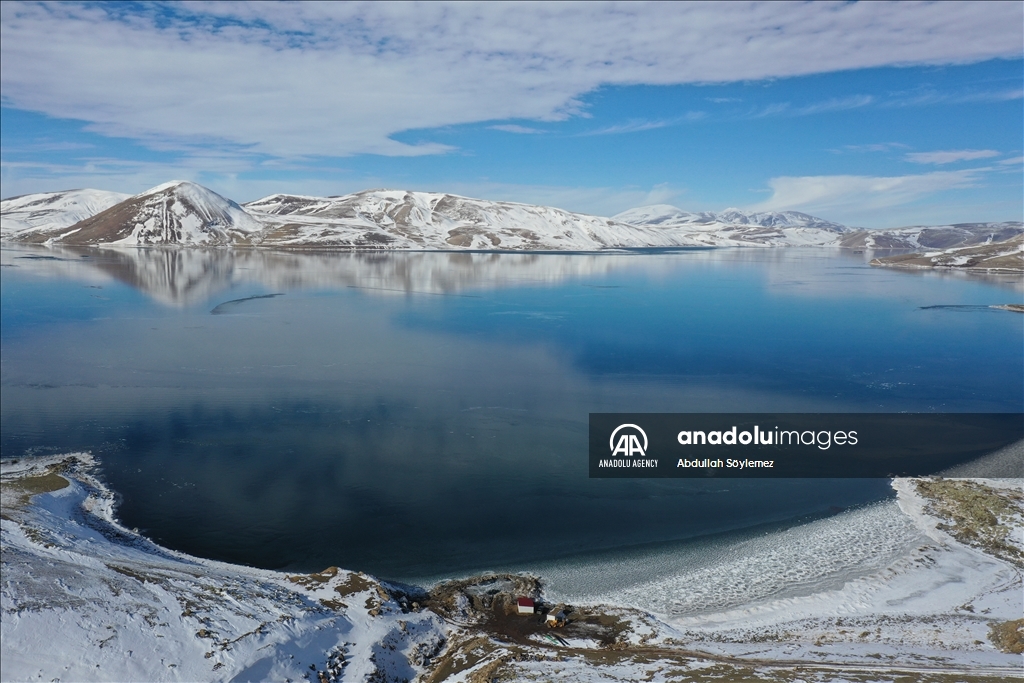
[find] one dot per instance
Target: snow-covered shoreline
(84, 598)
(933, 604)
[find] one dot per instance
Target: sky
(869, 114)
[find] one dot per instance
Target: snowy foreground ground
(85, 599)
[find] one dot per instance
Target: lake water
(418, 415)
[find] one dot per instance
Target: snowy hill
(175, 213)
(779, 219)
(85, 599)
(425, 220)
(923, 237)
(186, 214)
(1002, 255)
(50, 211)
(665, 215)
(733, 227)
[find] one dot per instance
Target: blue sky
(870, 114)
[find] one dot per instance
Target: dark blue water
(426, 414)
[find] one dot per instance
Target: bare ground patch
(1008, 636)
(977, 515)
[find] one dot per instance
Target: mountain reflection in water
(181, 277)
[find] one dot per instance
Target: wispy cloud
(930, 97)
(340, 79)
(513, 128)
(1011, 162)
(826, 195)
(949, 156)
(637, 126)
(768, 110)
(830, 105)
(991, 96)
(835, 104)
(47, 146)
(874, 147)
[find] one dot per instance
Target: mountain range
(182, 213)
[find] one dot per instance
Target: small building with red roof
(525, 605)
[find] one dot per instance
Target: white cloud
(835, 104)
(991, 96)
(844, 194)
(332, 79)
(1012, 162)
(632, 127)
(949, 156)
(773, 109)
(637, 126)
(929, 97)
(513, 128)
(876, 147)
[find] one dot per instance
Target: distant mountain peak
(201, 197)
(664, 215)
(169, 185)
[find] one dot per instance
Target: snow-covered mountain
(185, 214)
(665, 215)
(993, 256)
(175, 213)
(426, 220)
(52, 211)
(733, 227)
(925, 237)
(778, 219)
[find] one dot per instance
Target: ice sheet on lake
(718, 575)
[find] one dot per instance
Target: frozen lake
(419, 415)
